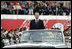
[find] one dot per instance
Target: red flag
(52, 3)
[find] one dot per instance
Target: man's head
(16, 30)
(36, 15)
(11, 31)
(2, 30)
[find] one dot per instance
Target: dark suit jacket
(39, 25)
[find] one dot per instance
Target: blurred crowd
(30, 7)
(11, 37)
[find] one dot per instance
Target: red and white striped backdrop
(12, 21)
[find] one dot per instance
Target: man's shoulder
(40, 20)
(33, 20)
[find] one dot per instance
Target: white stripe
(45, 22)
(22, 24)
(32, 17)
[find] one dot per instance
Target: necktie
(36, 21)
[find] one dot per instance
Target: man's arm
(42, 25)
(30, 25)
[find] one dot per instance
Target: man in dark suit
(36, 23)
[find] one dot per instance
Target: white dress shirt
(36, 20)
